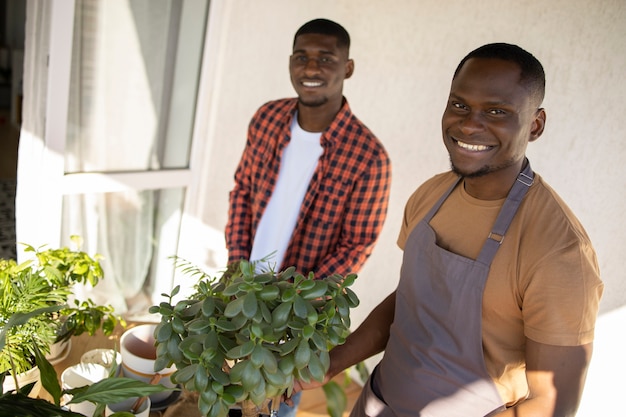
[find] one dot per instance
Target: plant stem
(13, 373)
(275, 406)
(249, 409)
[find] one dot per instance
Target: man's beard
(481, 172)
(320, 102)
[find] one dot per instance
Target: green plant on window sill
(246, 337)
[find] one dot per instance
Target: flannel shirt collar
(337, 126)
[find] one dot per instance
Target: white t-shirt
(279, 219)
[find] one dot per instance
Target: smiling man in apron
(495, 310)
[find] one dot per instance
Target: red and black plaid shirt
(344, 208)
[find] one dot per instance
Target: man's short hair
(325, 27)
(532, 74)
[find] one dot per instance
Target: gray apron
(433, 365)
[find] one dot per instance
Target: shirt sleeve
(562, 298)
(238, 231)
(364, 219)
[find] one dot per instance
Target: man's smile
(472, 148)
(312, 84)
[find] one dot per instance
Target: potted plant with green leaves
(35, 312)
(18, 403)
(40, 289)
(243, 339)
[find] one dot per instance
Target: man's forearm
(367, 340)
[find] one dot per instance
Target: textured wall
(405, 52)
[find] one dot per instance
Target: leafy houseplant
(36, 294)
(244, 338)
(107, 391)
(34, 313)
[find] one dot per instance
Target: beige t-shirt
(543, 284)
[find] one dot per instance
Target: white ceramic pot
(81, 375)
(59, 351)
(137, 346)
(32, 375)
(105, 357)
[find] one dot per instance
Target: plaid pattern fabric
(345, 205)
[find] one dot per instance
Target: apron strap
(505, 217)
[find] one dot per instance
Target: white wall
(405, 52)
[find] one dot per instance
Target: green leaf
(299, 307)
(234, 308)
(208, 307)
(287, 273)
(236, 391)
(162, 362)
(201, 379)
(178, 326)
(302, 354)
(308, 331)
(286, 364)
(288, 295)
(265, 312)
(198, 326)
(342, 306)
(225, 325)
(316, 368)
(336, 399)
(208, 396)
(251, 378)
(349, 280)
(269, 293)
(250, 305)
(48, 376)
(241, 351)
(257, 356)
(353, 300)
(163, 332)
(113, 390)
(236, 371)
(319, 341)
(220, 377)
(305, 285)
(276, 378)
(280, 315)
(319, 289)
(17, 404)
(187, 373)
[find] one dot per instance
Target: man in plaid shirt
(312, 187)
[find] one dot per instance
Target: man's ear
(349, 68)
(539, 123)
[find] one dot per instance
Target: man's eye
(459, 106)
(496, 112)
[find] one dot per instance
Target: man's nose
(471, 123)
(312, 66)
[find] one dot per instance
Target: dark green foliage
(249, 336)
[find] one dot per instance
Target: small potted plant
(35, 312)
(246, 337)
(36, 295)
